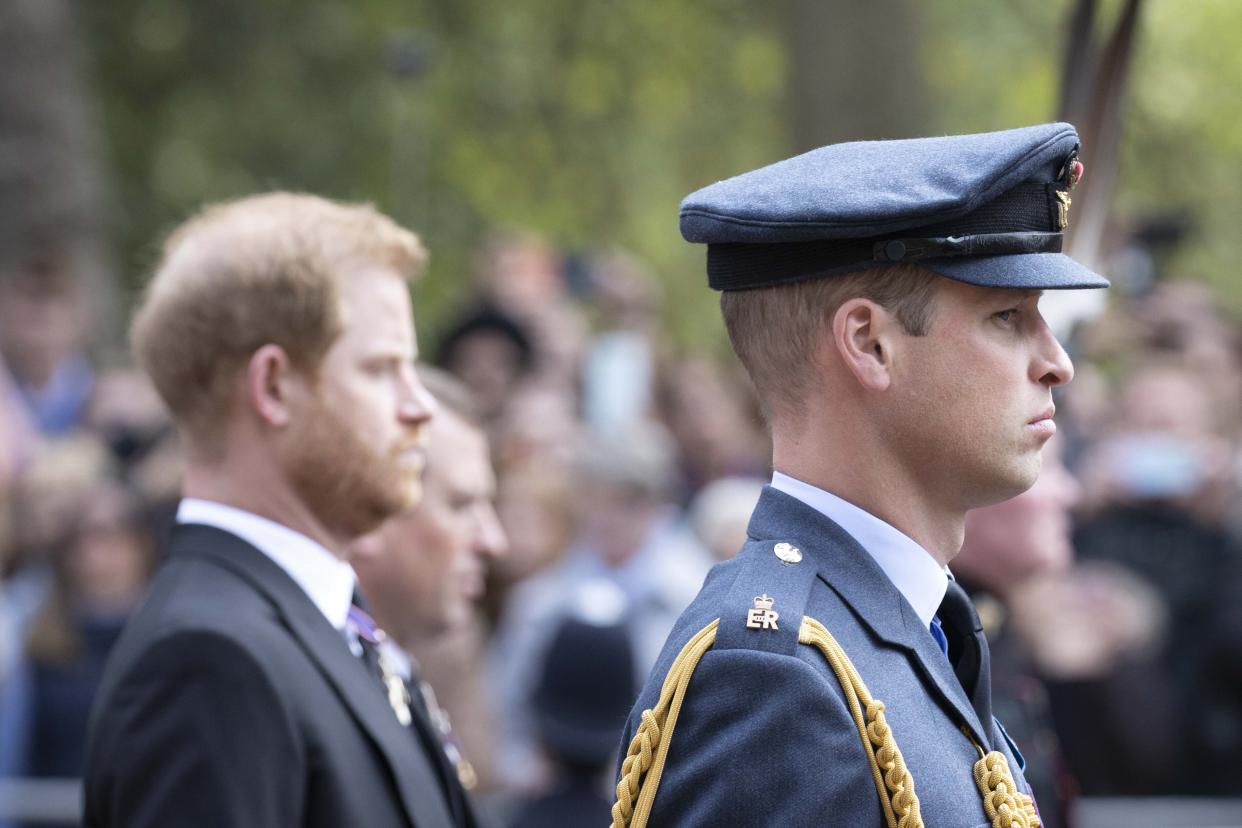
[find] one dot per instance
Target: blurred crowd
(623, 471)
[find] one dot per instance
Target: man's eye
(384, 367)
(1007, 315)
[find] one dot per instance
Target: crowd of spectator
(624, 471)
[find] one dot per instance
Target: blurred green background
(587, 121)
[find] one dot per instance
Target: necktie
(937, 631)
(968, 651)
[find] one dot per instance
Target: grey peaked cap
(987, 209)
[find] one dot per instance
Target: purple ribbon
(362, 625)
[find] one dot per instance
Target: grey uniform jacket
(764, 736)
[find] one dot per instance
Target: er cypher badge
(762, 617)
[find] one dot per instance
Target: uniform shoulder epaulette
(764, 607)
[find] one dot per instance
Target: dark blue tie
(968, 650)
(937, 632)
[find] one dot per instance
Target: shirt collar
(916, 574)
(326, 579)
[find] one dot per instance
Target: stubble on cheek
(349, 486)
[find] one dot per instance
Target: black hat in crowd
(585, 690)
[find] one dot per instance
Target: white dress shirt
(326, 579)
(916, 574)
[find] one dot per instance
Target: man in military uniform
(884, 298)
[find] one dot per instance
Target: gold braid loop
(644, 761)
(893, 781)
(1004, 804)
(635, 765)
(896, 776)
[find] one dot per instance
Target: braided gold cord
(644, 761)
(893, 781)
(636, 763)
(1004, 804)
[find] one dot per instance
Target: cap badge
(1063, 204)
(1070, 176)
(762, 617)
(787, 552)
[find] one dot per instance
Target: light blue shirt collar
(326, 579)
(916, 574)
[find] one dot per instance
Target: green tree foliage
(587, 121)
(1182, 157)
(584, 121)
(996, 64)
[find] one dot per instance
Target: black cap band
(984, 244)
(1027, 219)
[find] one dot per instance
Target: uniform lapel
(412, 775)
(854, 575)
(936, 669)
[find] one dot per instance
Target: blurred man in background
(44, 326)
(425, 569)
(630, 535)
(278, 331)
(1161, 484)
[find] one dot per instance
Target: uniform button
(788, 553)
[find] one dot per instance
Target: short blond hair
(247, 273)
(774, 330)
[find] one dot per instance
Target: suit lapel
(422, 728)
(854, 575)
(412, 775)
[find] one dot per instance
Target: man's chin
(1005, 486)
(411, 494)
(370, 514)
(456, 617)
(1017, 486)
(397, 497)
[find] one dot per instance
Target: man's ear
(269, 378)
(863, 335)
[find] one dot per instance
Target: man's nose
(491, 540)
(1051, 365)
(417, 405)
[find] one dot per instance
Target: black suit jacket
(231, 701)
